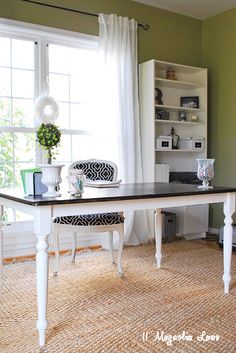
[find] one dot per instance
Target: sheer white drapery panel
(119, 119)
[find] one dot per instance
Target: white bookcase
(190, 82)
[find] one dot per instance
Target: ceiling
(200, 9)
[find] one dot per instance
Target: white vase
(51, 177)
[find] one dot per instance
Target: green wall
(219, 55)
(172, 37)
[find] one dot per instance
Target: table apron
(19, 206)
(136, 204)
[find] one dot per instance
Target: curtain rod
(145, 27)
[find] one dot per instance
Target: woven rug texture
(180, 308)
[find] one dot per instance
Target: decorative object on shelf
(48, 136)
(175, 139)
(158, 96)
(185, 143)
(194, 118)
(198, 143)
(170, 74)
(182, 116)
(162, 114)
(205, 172)
(76, 182)
(164, 143)
(191, 143)
(189, 102)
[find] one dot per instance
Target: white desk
(127, 197)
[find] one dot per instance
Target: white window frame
(43, 36)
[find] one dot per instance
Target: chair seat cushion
(91, 219)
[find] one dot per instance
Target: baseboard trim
(194, 236)
(24, 258)
(213, 231)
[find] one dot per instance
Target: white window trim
(59, 35)
(43, 35)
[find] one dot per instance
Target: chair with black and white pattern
(92, 223)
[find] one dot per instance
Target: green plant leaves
(49, 137)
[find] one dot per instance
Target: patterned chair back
(95, 169)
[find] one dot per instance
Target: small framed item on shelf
(194, 118)
(189, 102)
(162, 114)
(182, 116)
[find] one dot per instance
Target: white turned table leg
(42, 226)
(158, 235)
(42, 286)
(55, 235)
(1, 247)
(229, 208)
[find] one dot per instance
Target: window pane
(58, 59)
(22, 54)
(6, 175)
(63, 118)
(24, 147)
(22, 83)
(8, 215)
(5, 57)
(59, 87)
(80, 89)
(6, 147)
(82, 116)
(5, 82)
(64, 151)
(77, 87)
(81, 60)
(5, 111)
(83, 147)
(23, 112)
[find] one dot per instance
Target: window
(17, 93)
(72, 82)
(33, 62)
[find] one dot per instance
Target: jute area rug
(178, 309)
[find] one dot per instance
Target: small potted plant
(49, 136)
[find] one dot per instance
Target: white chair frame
(119, 228)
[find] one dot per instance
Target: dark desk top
(123, 192)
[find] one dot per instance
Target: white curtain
(120, 115)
